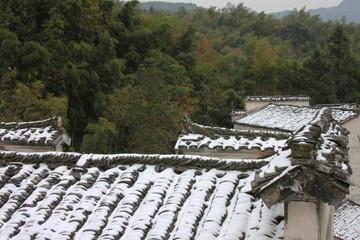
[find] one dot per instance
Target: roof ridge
(313, 129)
(301, 97)
(194, 128)
(318, 137)
(108, 160)
(41, 123)
(318, 149)
(341, 106)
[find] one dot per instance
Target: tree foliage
(99, 137)
(123, 77)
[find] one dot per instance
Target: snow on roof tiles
(188, 141)
(238, 112)
(277, 98)
(343, 116)
(35, 132)
(279, 117)
(128, 196)
(342, 112)
(347, 221)
(130, 201)
(291, 118)
(132, 196)
(342, 106)
(205, 137)
(319, 146)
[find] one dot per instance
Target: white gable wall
(353, 126)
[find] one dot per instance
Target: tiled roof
(291, 118)
(277, 98)
(347, 221)
(342, 106)
(196, 136)
(343, 116)
(114, 197)
(131, 196)
(188, 141)
(238, 112)
(45, 132)
(279, 117)
(342, 112)
(319, 147)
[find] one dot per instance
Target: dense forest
(122, 77)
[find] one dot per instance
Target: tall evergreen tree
(341, 65)
(316, 81)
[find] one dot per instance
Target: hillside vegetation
(347, 11)
(122, 78)
(167, 6)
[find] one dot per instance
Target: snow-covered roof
(196, 136)
(277, 98)
(130, 197)
(347, 221)
(188, 141)
(342, 106)
(319, 147)
(44, 132)
(236, 112)
(342, 112)
(343, 116)
(291, 118)
(279, 117)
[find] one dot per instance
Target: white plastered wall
(354, 152)
(309, 220)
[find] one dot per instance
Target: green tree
(147, 115)
(9, 54)
(317, 83)
(259, 69)
(34, 59)
(29, 103)
(341, 65)
(99, 137)
(74, 20)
